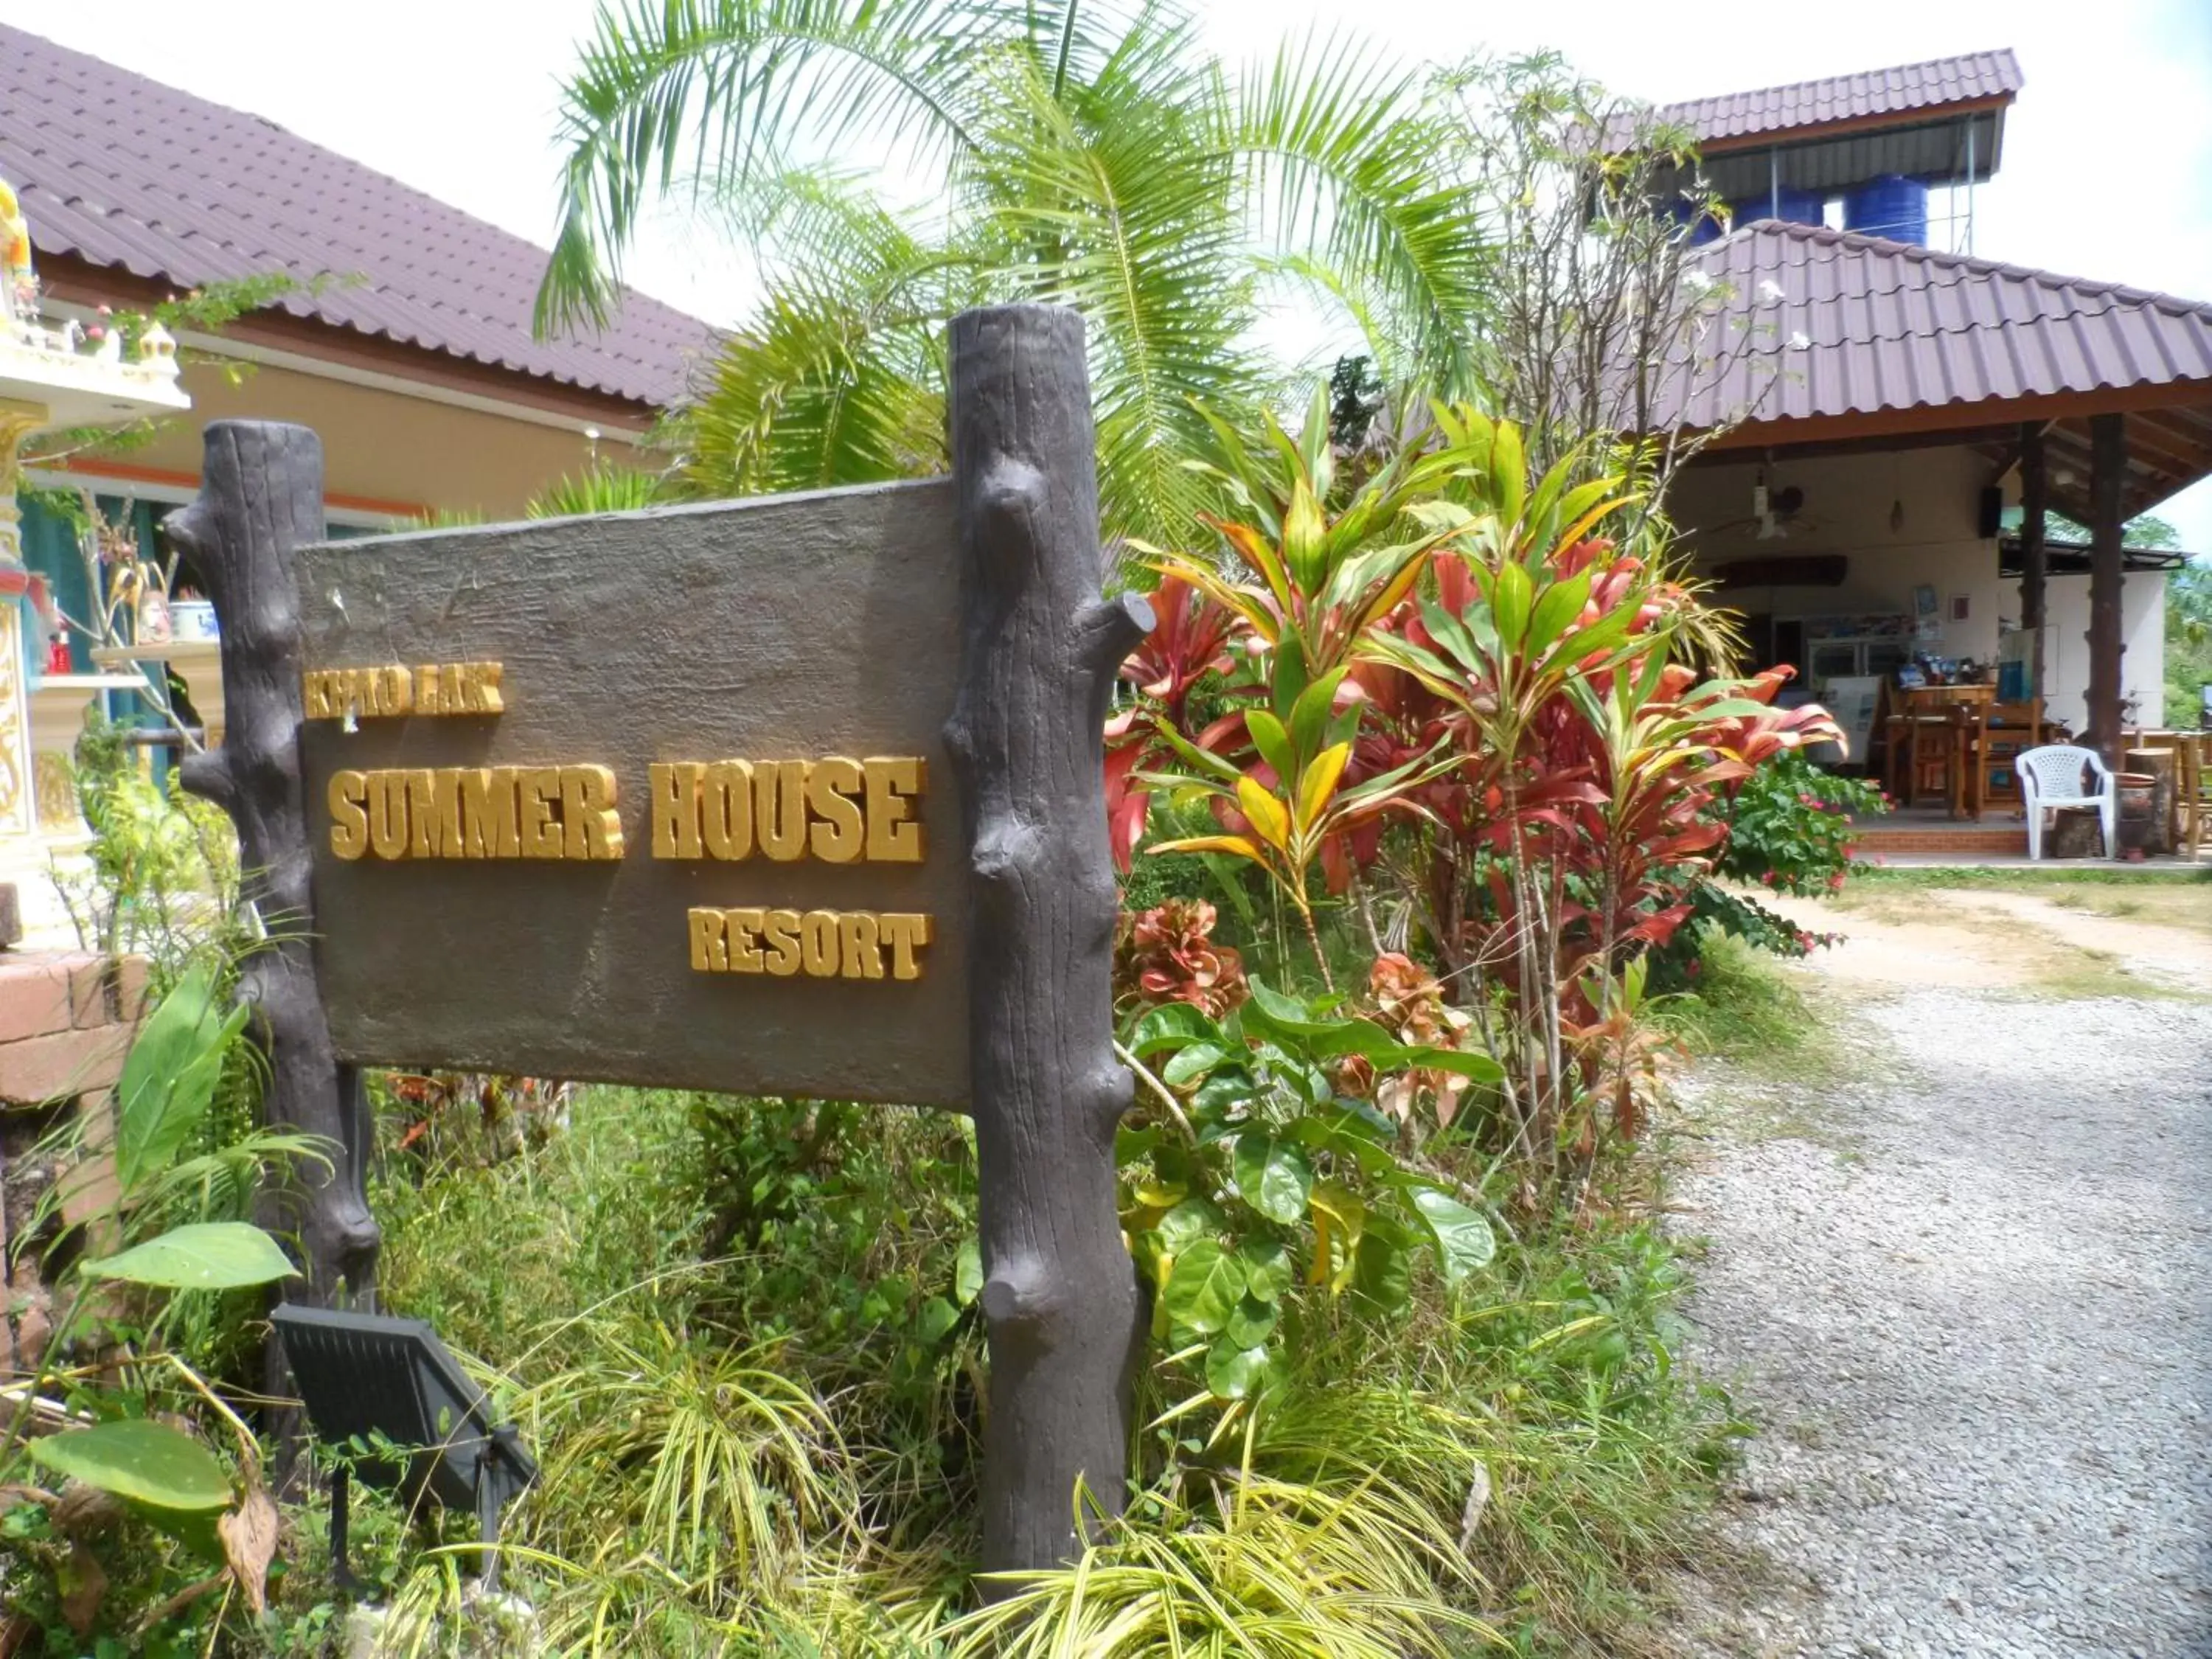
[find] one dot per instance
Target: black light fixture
(390, 1381)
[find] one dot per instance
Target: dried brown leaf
(84, 1585)
(249, 1540)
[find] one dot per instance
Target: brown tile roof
(123, 172)
(1815, 324)
(1910, 87)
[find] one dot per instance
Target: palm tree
(1088, 154)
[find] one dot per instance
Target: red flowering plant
(1503, 668)
(1169, 954)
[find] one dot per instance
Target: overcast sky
(2107, 169)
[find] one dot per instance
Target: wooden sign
(803, 795)
(656, 798)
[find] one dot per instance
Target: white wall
(1906, 520)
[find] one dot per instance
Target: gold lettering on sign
(833, 810)
(675, 788)
(832, 800)
(433, 815)
(477, 812)
(588, 817)
(389, 690)
(781, 933)
(780, 809)
(893, 784)
(819, 944)
(725, 800)
(349, 799)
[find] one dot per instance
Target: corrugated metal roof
(1909, 89)
(123, 172)
(1814, 324)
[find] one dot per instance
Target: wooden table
(1935, 741)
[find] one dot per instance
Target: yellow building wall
(384, 451)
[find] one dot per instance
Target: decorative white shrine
(54, 376)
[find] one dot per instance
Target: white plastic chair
(2051, 777)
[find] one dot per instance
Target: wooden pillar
(261, 497)
(2034, 564)
(1059, 1298)
(2108, 450)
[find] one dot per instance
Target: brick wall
(66, 1021)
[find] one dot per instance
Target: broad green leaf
(150, 1463)
(1344, 1135)
(1130, 1145)
(1509, 471)
(968, 1271)
(1221, 1094)
(1170, 1025)
(1462, 1238)
(1304, 530)
(1185, 1224)
(1273, 1175)
(1310, 714)
(169, 1076)
(1268, 1269)
(933, 1319)
(1205, 1287)
(1272, 742)
(1253, 1320)
(1231, 1372)
(1385, 1270)
(1195, 1061)
(1511, 593)
(1559, 606)
(206, 1255)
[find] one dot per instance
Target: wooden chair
(2196, 794)
(1934, 737)
(1968, 755)
(2013, 729)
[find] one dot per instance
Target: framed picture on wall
(1924, 601)
(1961, 607)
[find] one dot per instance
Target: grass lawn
(2178, 896)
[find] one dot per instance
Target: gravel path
(1973, 1317)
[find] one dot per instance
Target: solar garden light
(392, 1382)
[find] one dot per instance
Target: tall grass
(724, 1330)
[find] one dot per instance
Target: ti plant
(1260, 1180)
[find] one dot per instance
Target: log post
(1039, 656)
(2108, 460)
(2034, 562)
(261, 496)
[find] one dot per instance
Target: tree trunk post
(261, 496)
(2034, 564)
(1059, 1298)
(2108, 460)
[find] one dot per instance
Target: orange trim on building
(131, 473)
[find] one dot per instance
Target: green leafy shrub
(1795, 828)
(1264, 1175)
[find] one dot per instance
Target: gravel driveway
(1972, 1314)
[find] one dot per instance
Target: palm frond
(744, 84)
(819, 392)
(1342, 164)
(1111, 200)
